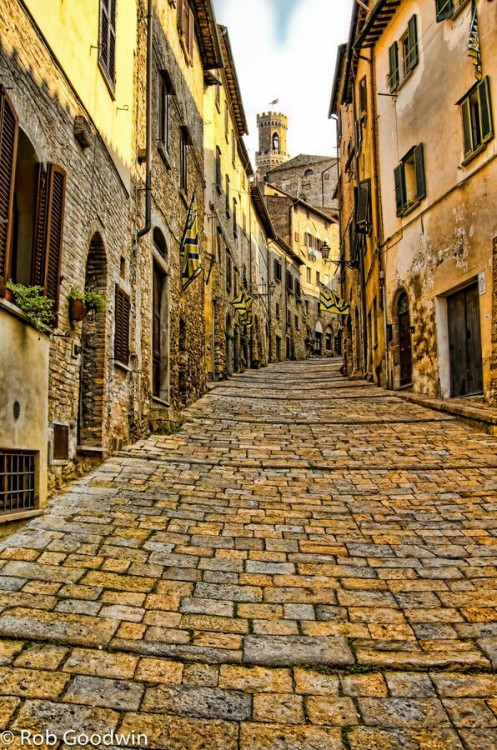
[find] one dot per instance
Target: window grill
(17, 481)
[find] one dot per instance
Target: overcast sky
(286, 50)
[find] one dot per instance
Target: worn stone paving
(309, 563)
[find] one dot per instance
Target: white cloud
(299, 72)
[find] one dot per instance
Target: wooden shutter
(466, 128)
(363, 206)
(412, 36)
(400, 189)
(485, 110)
(122, 317)
(9, 130)
(419, 169)
(444, 9)
(48, 232)
(393, 54)
(108, 37)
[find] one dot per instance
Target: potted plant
(83, 302)
(36, 306)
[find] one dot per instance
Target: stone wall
(313, 179)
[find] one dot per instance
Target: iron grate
(17, 481)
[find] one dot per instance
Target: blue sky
(286, 50)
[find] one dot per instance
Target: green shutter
(485, 110)
(394, 66)
(466, 128)
(444, 9)
(400, 189)
(412, 36)
(419, 168)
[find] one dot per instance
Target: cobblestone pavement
(308, 564)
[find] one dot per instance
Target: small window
(233, 148)
(444, 9)
(277, 311)
(218, 97)
(17, 481)
(297, 323)
(164, 92)
(363, 96)
(289, 318)
(229, 273)
(107, 41)
(318, 278)
(277, 270)
(186, 27)
(404, 55)
(235, 224)
(308, 275)
(226, 121)
(227, 182)
(183, 159)
(307, 307)
(476, 118)
(363, 207)
(289, 282)
(308, 173)
(298, 291)
(219, 179)
(410, 183)
(122, 319)
(276, 143)
(60, 442)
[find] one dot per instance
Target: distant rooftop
(301, 160)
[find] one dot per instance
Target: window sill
(164, 155)
(409, 209)
(121, 366)
(21, 515)
(161, 401)
(474, 154)
(16, 312)
(403, 81)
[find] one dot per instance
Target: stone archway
(92, 415)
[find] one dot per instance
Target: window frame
(108, 12)
(470, 149)
(122, 320)
(402, 65)
(404, 203)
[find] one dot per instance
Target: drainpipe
(365, 350)
(148, 126)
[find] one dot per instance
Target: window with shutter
(410, 181)
(363, 207)
(219, 186)
(122, 319)
(9, 128)
(183, 159)
(393, 53)
(107, 41)
(56, 187)
(477, 122)
(412, 39)
(444, 9)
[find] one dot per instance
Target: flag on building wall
(243, 302)
(329, 301)
(191, 264)
(474, 42)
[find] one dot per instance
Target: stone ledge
(482, 418)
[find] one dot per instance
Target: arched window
(160, 242)
(308, 173)
(276, 142)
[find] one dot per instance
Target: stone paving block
(41, 656)
(331, 711)
(101, 663)
(170, 732)
(7, 708)
(109, 693)
(479, 739)
(293, 650)
(200, 702)
(364, 685)
(285, 737)
(470, 712)
(255, 679)
(403, 713)
(31, 683)
(55, 626)
(201, 674)
(57, 718)
(207, 607)
(8, 650)
(282, 707)
(410, 685)
(309, 682)
(362, 738)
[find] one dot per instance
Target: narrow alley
(308, 563)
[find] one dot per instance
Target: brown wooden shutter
(466, 128)
(9, 129)
(122, 318)
(56, 189)
(39, 236)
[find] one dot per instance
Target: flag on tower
(329, 301)
(191, 264)
(474, 42)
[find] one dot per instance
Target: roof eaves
(262, 212)
(210, 47)
(232, 81)
(378, 20)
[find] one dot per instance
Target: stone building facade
(435, 236)
(313, 179)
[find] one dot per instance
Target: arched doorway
(92, 401)
(404, 335)
(318, 335)
(357, 340)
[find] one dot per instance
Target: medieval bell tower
(272, 127)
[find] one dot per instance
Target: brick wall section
(318, 188)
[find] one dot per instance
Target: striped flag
(191, 264)
(474, 42)
(247, 319)
(242, 303)
(329, 301)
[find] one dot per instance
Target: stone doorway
(92, 415)
(402, 338)
(463, 314)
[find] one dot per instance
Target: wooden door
(405, 343)
(157, 331)
(466, 374)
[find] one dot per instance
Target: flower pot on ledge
(77, 310)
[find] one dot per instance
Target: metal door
(463, 311)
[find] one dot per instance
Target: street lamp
(325, 251)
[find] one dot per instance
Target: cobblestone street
(309, 563)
